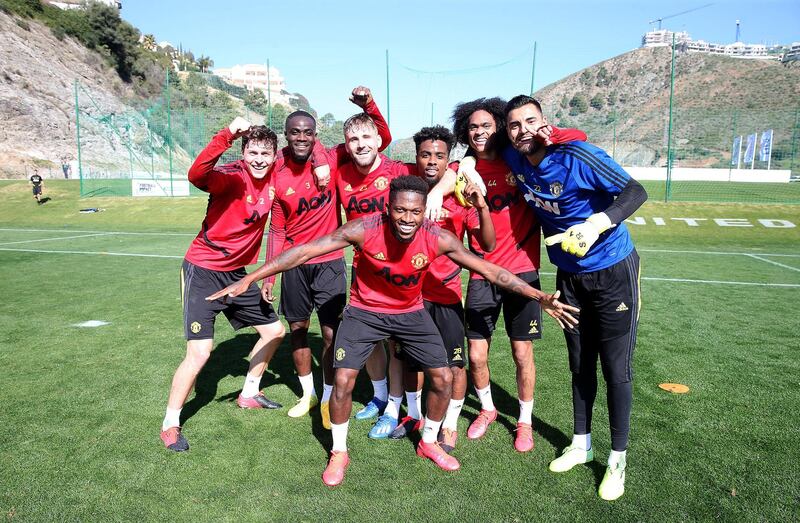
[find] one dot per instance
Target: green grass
(82, 407)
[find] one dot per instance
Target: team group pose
(520, 178)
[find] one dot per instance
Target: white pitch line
(716, 252)
(105, 232)
(57, 238)
(649, 278)
(135, 255)
(774, 262)
(757, 284)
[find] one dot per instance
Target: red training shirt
(442, 284)
(238, 207)
(389, 275)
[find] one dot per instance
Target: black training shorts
(523, 316)
(360, 330)
(449, 319)
(609, 300)
(245, 310)
(320, 286)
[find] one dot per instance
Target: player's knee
(441, 379)
(273, 331)
(343, 384)
(197, 357)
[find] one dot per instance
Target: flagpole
(739, 153)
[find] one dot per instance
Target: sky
(440, 52)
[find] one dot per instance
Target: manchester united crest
(510, 180)
(556, 188)
(249, 198)
(381, 183)
(419, 260)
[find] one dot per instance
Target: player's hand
(266, 291)
(467, 167)
(579, 238)
(559, 311)
(543, 134)
(232, 290)
(473, 196)
(361, 96)
(322, 176)
(239, 126)
(433, 207)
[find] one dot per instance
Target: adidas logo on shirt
(622, 307)
(379, 256)
(289, 191)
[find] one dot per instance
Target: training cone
(675, 388)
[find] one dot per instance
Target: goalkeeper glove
(579, 238)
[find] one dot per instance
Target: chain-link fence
(668, 121)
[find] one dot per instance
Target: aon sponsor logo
(365, 205)
(498, 202)
(315, 202)
(399, 279)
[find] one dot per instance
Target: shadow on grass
(230, 358)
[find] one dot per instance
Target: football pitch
(82, 406)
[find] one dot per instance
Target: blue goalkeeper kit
(572, 182)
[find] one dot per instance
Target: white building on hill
(793, 54)
(254, 76)
(684, 42)
(78, 4)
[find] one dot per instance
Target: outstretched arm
(451, 247)
(351, 233)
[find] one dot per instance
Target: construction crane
(651, 22)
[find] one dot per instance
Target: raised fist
(239, 126)
(361, 96)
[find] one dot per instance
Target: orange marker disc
(675, 388)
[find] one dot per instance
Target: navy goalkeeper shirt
(574, 181)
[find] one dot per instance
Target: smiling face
(362, 143)
(480, 132)
(300, 133)
(432, 156)
(259, 157)
(523, 124)
(406, 213)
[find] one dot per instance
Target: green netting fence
(681, 143)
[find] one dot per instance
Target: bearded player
(582, 197)
(386, 302)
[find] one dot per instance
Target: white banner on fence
(150, 187)
(737, 151)
(749, 153)
(765, 151)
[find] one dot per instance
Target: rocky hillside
(37, 100)
(623, 102)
